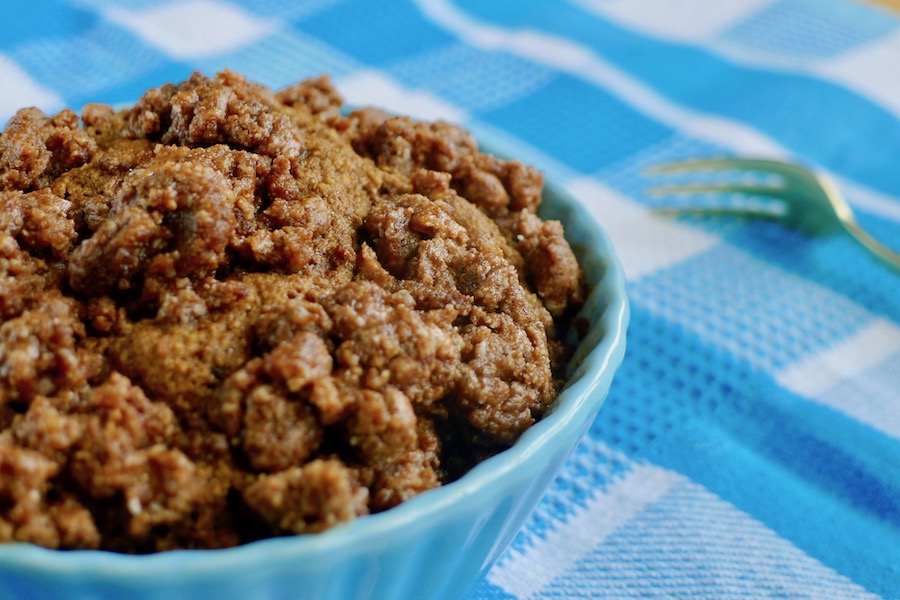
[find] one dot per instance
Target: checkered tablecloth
(750, 446)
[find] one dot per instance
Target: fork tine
(739, 211)
(688, 165)
(738, 164)
(687, 189)
(810, 201)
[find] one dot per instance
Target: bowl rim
(583, 395)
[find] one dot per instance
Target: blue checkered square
(378, 37)
(474, 79)
(81, 67)
(283, 59)
(733, 301)
(555, 115)
(811, 29)
(291, 11)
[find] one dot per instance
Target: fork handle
(885, 254)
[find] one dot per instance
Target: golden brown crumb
(229, 314)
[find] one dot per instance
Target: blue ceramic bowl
(433, 546)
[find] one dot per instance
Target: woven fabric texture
(750, 445)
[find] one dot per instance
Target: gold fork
(809, 200)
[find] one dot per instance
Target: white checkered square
(194, 29)
(20, 90)
(864, 69)
(683, 20)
